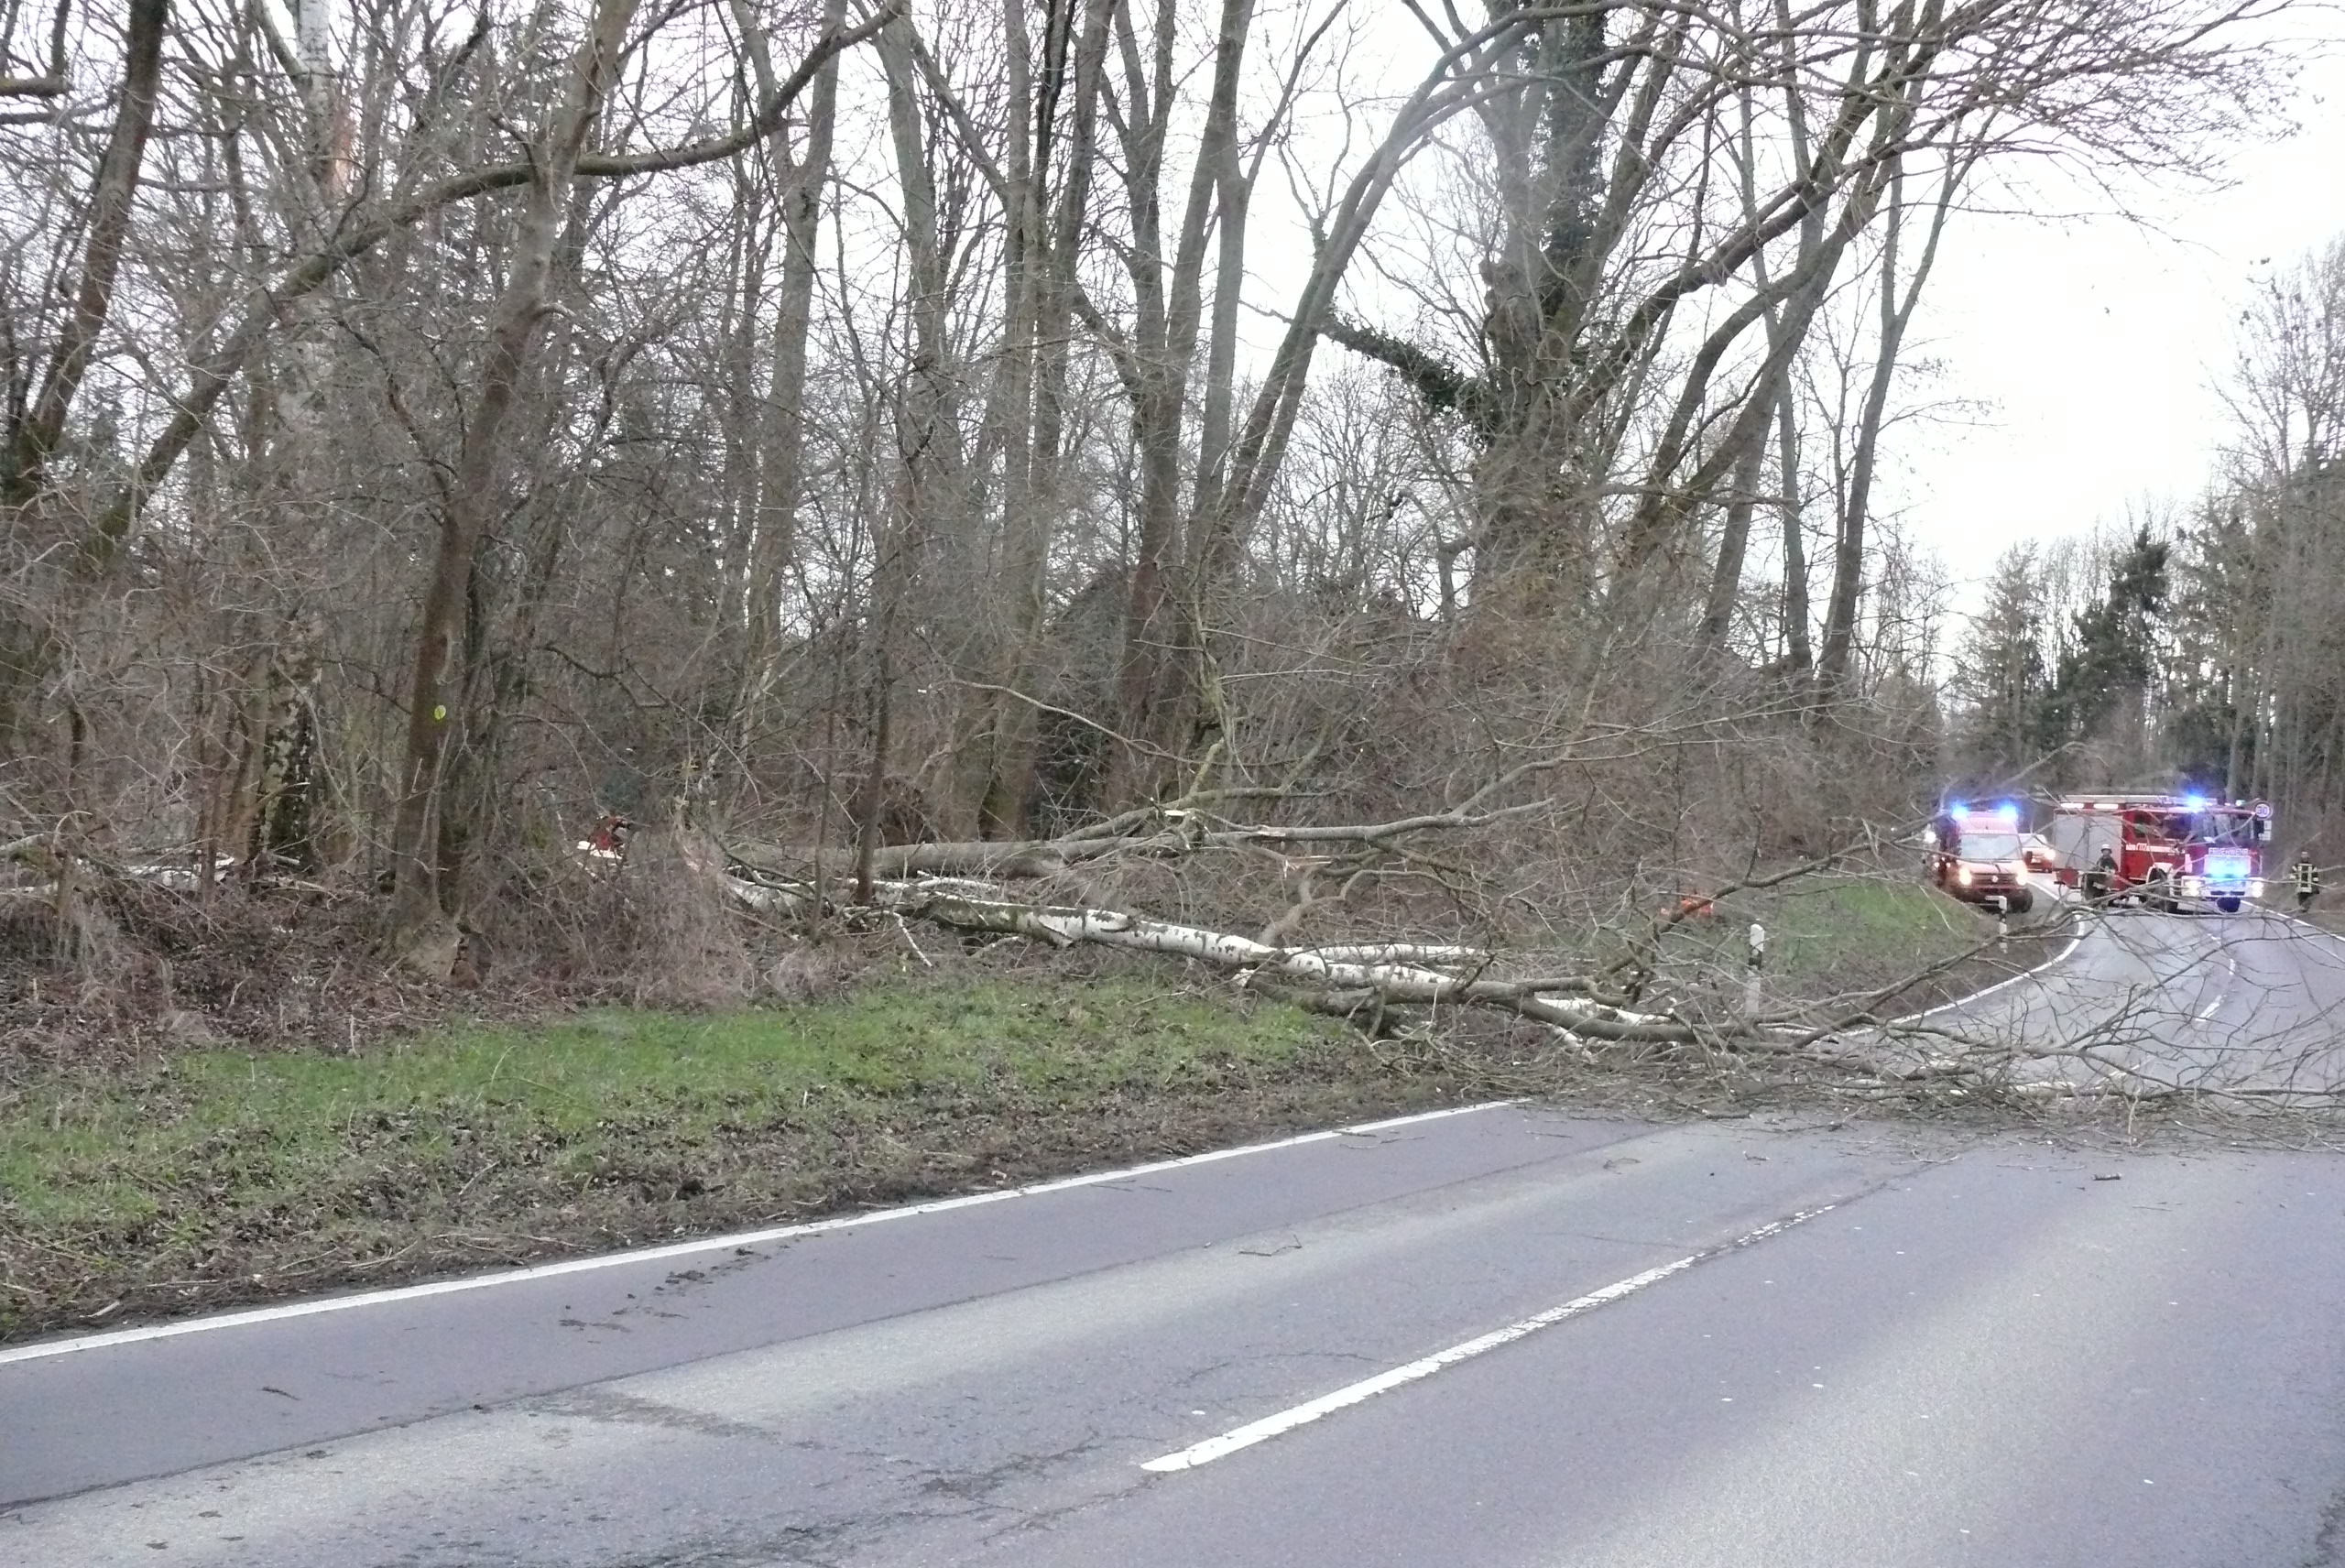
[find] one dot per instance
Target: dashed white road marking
(2231, 963)
(1286, 1421)
(42, 1349)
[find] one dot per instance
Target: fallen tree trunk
(1179, 832)
(1366, 977)
(1024, 860)
(1403, 974)
(1395, 982)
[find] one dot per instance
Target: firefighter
(2102, 878)
(2308, 878)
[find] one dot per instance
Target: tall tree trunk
(1798, 656)
(977, 734)
(1833, 668)
(299, 461)
(985, 795)
(1077, 62)
(923, 426)
(780, 462)
(1726, 580)
(423, 931)
(1734, 539)
(1159, 681)
(32, 427)
(24, 460)
(1848, 546)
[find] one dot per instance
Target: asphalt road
(1505, 1336)
(2248, 1004)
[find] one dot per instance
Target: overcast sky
(2095, 346)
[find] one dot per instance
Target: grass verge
(1834, 942)
(1859, 935)
(154, 1181)
(218, 1174)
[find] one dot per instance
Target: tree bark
(1734, 539)
(111, 200)
(925, 436)
(780, 460)
(423, 931)
(1798, 656)
(1161, 680)
(1006, 725)
(1834, 665)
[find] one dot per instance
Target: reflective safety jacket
(2307, 876)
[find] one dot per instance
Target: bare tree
(460, 425)
(1897, 301)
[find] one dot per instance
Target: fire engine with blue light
(2169, 852)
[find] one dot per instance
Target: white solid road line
(2316, 930)
(1286, 1421)
(2075, 942)
(706, 1244)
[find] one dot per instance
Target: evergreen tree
(1999, 681)
(2216, 621)
(2113, 644)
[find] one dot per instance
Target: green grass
(277, 1120)
(1832, 933)
(1827, 937)
(213, 1174)
(211, 1166)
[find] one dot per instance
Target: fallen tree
(1398, 980)
(1857, 1048)
(1179, 830)
(1345, 977)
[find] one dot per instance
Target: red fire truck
(2173, 852)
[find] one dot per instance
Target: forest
(2202, 646)
(1298, 467)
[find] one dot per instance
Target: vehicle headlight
(1963, 875)
(2255, 887)
(2193, 883)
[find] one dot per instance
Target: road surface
(1500, 1337)
(2248, 1004)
